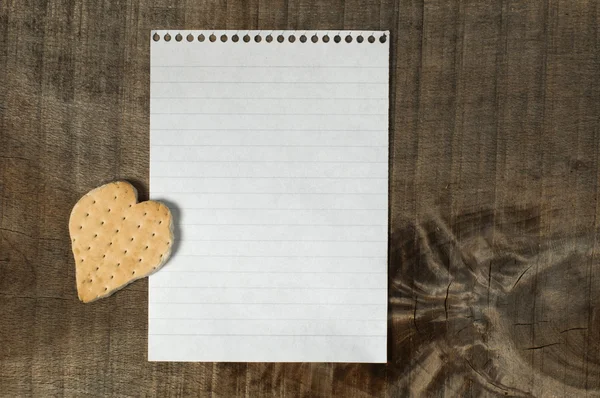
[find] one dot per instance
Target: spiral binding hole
(269, 38)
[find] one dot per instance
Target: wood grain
(494, 145)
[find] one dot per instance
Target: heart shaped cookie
(116, 240)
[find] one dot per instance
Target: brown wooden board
(494, 145)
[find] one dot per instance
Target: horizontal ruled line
(266, 66)
(280, 98)
(294, 225)
(279, 130)
(282, 240)
(271, 272)
(267, 288)
(263, 161)
(267, 114)
(263, 82)
(269, 303)
(279, 209)
(268, 146)
(269, 335)
(271, 319)
(268, 193)
(268, 178)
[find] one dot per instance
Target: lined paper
(274, 160)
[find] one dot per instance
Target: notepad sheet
(273, 157)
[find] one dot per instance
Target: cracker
(116, 240)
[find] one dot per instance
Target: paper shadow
(176, 214)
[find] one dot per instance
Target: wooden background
(494, 144)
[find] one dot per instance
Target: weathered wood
(494, 144)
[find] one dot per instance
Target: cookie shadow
(176, 214)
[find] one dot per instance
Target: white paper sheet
(274, 158)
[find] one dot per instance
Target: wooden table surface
(494, 142)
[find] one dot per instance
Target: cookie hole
(117, 231)
(145, 214)
(146, 248)
(160, 222)
(73, 239)
(90, 281)
(97, 268)
(124, 251)
(153, 267)
(132, 239)
(124, 218)
(153, 234)
(140, 260)
(105, 289)
(94, 202)
(168, 243)
(81, 260)
(139, 226)
(109, 210)
(87, 214)
(101, 222)
(89, 248)
(95, 235)
(104, 256)
(112, 277)
(81, 227)
(110, 243)
(118, 264)
(115, 197)
(132, 272)
(129, 205)
(161, 256)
